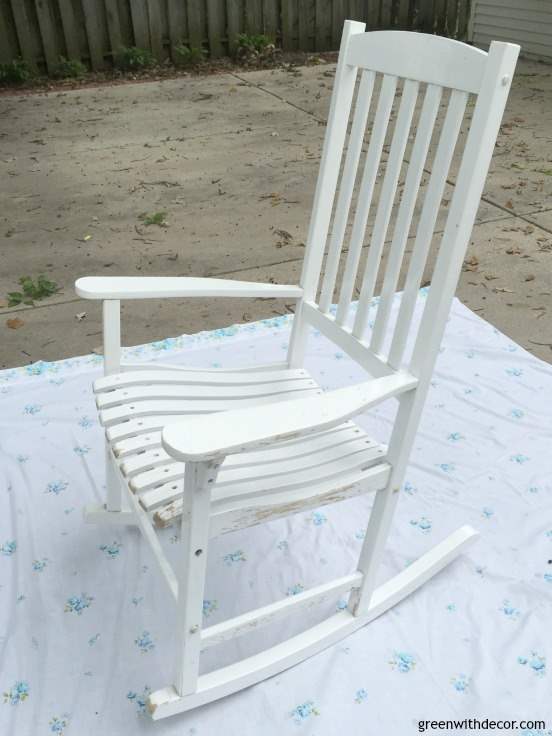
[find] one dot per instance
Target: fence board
(113, 25)
(155, 23)
(195, 23)
(271, 14)
(80, 29)
(323, 24)
(140, 23)
(254, 16)
(234, 21)
(70, 29)
(386, 14)
(356, 10)
(339, 16)
(289, 25)
(372, 15)
(424, 17)
(177, 23)
(451, 17)
(92, 22)
(306, 24)
(216, 23)
(463, 17)
(439, 16)
(23, 30)
(47, 33)
(403, 14)
(6, 51)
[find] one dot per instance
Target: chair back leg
(385, 503)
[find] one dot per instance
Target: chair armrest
(154, 287)
(238, 430)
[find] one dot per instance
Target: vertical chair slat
(422, 242)
(338, 119)
(375, 147)
(348, 179)
(406, 211)
(465, 201)
(385, 205)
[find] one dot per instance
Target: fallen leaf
(15, 323)
(530, 277)
(509, 204)
(471, 264)
(80, 316)
(490, 277)
(513, 251)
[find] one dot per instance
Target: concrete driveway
(232, 159)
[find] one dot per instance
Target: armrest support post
(112, 336)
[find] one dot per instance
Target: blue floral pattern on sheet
(111, 550)
(423, 524)
(144, 642)
(295, 589)
(8, 548)
(460, 683)
(510, 611)
(56, 487)
(535, 662)
(58, 724)
(139, 699)
(78, 603)
(478, 460)
(403, 662)
(304, 711)
(18, 693)
(209, 607)
(231, 558)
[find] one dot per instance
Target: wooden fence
(40, 31)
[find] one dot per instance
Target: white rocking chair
(278, 444)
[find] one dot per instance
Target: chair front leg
(199, 478)
(112, 361)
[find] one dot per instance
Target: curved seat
(136, 405)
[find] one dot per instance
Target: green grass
(257, 42)
(132, 58)
(156, 218)
(69, 69)
(15, 72)
(187, 56)
(32, 291)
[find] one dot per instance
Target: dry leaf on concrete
(15, 323)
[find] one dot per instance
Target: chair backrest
(432, 79)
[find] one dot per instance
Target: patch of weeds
(15, 72)
(131, 58)
(255, 50)
(32, 291)
(187, 56)
(156, 218)
(69, 69)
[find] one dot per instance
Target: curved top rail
(419, 56)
